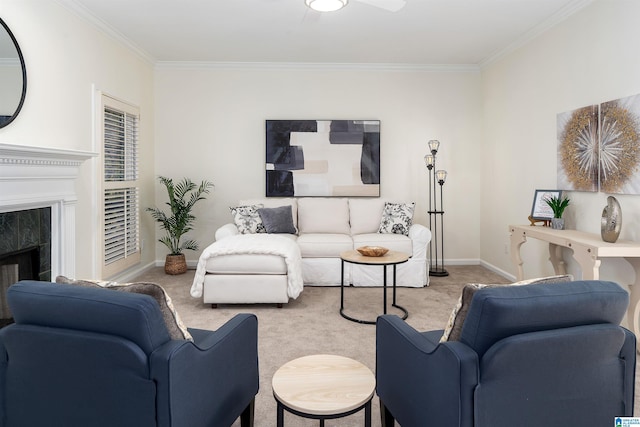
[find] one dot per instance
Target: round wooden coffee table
(323, 387)
(390, 258)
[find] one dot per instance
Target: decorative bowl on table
(372, 250)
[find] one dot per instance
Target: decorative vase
(557, 223)
(611, 221)
(175, 264)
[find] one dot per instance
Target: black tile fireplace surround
(25, 236)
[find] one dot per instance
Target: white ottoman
(245, 279)
(249, 269)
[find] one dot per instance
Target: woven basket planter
(175, 264)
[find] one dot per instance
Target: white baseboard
(485, 264)
(132, 273)
(461, 261)
(191, 265)
(498, 271)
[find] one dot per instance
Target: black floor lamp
(436, 212)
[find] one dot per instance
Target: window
(121, 206)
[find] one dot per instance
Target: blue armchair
(78, 356)
(547, 355)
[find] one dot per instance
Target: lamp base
(438, 272)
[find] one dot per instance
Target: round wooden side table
(323, 387)
(390, 258)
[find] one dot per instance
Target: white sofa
(325, 228)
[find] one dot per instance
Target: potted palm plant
(557, 205)
(182, 197)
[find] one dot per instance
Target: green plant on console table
(557, 205)
(182, 197)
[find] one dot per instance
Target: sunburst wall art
(578, 149)
(599, 147)
(620, 146)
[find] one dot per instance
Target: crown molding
(84, 14)
(568, 10)
(211, 65)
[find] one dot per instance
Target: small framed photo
(540, 209)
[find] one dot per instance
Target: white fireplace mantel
(36, 177)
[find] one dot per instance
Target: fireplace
(25, 240)
(22, 264)
(37, 206)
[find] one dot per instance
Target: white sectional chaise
(261, 268)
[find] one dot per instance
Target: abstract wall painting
(322, 158)
(599, 147)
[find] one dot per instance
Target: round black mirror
(13, 76)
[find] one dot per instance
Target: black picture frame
(540, 210)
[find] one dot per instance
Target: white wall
(210, 124)
(590, 58)
(66, 59)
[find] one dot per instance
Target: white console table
(588, 250)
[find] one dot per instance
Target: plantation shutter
(121, 206)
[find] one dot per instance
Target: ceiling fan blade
(390, 5)
(311, 16)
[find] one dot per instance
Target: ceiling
(423, 33)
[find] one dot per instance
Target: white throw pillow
(323, 215)
(397, 218)
(364, 215)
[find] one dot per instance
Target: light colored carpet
(312, 324)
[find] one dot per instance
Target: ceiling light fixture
(326, 5)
